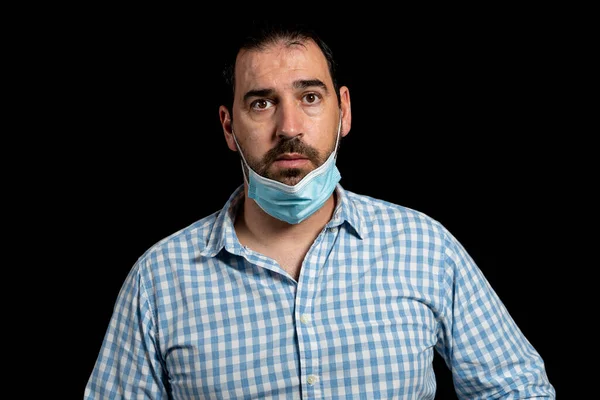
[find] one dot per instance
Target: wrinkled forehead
(279, 64)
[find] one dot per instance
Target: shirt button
(312, 379)
(305, 318)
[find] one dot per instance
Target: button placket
(307, 334)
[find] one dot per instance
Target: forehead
(280, 64)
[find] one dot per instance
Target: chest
(344, 327)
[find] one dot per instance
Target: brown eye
(312, 98)
(260, 104)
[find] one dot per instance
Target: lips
(291, 156)
(291, 160)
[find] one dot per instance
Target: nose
(289, 121)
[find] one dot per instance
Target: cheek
(253, 149)
(324, 136)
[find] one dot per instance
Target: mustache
(294, 145)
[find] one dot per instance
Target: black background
(468, 117)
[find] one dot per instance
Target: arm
(128, 364)
(487, 353)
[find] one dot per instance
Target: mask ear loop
(243, 160)
(337, 139)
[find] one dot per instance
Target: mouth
(291, 160)
(291, 156)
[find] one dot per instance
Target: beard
(288, 176)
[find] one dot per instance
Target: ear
(346, 110)
(225, 118)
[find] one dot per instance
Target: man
(298, 288)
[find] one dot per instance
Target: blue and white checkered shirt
(383, 286)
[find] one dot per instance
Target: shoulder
(190, 250)
(410, 235)
(183, 247)
(383, 215)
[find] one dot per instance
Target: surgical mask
(293, 204)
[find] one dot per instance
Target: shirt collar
(223, 232)
(347, 211)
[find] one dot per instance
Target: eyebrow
(299, 84)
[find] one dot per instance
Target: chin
(290, 181)
(290, 176)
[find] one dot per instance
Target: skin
(285, 130)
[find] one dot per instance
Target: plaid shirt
(382, 287)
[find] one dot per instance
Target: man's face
(285, 110)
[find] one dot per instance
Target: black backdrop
(461, 118)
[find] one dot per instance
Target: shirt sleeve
(487, 353)
(128, 365)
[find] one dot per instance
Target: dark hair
(259, 33)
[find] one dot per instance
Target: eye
(312, 98)
(261, 104)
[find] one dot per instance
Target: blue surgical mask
(293, 204)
